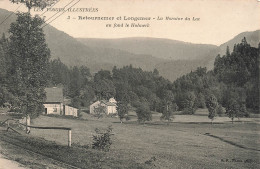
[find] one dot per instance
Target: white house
(54, 103)
(109, 106)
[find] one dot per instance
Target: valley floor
(189, 141)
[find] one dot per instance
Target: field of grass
(189, 141)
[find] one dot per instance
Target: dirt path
(13, 157)
(8, 164)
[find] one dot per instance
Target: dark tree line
(127, 85)
(232, 84)
(239, 71)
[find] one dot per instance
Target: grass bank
(78, 156)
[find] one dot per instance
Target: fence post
(28, 123)
(7, 125)
(69, 138)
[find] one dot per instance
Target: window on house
(55, 110)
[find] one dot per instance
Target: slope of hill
(70, 51)
(175, 69)
(62, 46)
(160, 48)
(253, 38)
(182, 57)
(172, 58)
(73, 53)
(5, 26)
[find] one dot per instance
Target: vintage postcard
(129, 84)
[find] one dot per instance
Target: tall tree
(232, 109)
(227, 51)
(3, 59)
(122, 110)
(104, 89)
(143, 112)
(76, 82)
(29, 57)
(167, 111)
(189, 102)
(212, 105)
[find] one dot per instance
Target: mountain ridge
(157, 47)
(172, 58)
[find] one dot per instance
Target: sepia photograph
(129, 84)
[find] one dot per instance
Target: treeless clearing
(189, 141)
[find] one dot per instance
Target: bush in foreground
(102, 141)
(78, 156)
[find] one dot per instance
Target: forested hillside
(233, 81)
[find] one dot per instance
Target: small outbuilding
(70, 111)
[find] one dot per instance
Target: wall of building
(111, 110)
(53, 108)
(108, 109)
(92, 107)
(70, 111)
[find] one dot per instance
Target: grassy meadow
(189, 141)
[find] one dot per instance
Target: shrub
(220, 110)
(212, 105)
(122, 110)
(232, 109)
(189, 110)
(189, 103)
(143, 113)
(99, 111)
(102, 141)
(243, 111)
(127, 118)
(167, 111)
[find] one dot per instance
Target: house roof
(110, 104)
(54, 95)
(112, 100)
(104, 102)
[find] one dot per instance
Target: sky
(217, 21)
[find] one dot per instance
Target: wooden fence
(37, 127)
